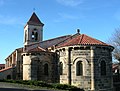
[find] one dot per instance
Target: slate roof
(37, 49)
(82, 39)
(34, 20)
(20, 49)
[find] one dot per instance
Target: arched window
(79, 68)
(46, 69)
(33, 35)
(36, 36)
(61, 68)
(103, 68)
(8, 76)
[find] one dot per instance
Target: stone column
(13, 59)
(16, 57)
(111, 71)
(26, 67)
(6, 65)
(92, 69)
(9, 62)
(69, 65)
(67, 76)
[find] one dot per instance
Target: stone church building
(77, 59)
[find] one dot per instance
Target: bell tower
(33, 30)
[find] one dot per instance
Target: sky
(96, 18)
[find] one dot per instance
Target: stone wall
(34, 67)
(73, 56)
(103, 82)
(84, 80)
(28, 29)
(8, 73)
(19, 65)
(15, 60)
(90, 57)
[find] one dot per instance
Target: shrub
(44, 84)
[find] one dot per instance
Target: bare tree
(115, 41)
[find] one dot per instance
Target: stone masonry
(78, 59)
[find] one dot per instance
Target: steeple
(33, 31)
(34, 20)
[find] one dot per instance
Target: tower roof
(34, 20)
(83, 39)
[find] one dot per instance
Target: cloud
(66, 17)
(7, 20)
(70, 2)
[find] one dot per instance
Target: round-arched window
(79, 68)
(61, 68)
(103, 68)
(46, 69)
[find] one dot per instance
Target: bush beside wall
(44, 84)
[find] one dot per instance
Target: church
(77, 59)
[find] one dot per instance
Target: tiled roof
(2, 65)
(37, 49)
(34, 19)
(82, 39)
(5, 69)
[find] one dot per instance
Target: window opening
(46, 69)
(79, 68)
(103, 68)
(61, 68)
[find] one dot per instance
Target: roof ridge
(67, 39)
(37, 48)
(41, 48)
(81, 38)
